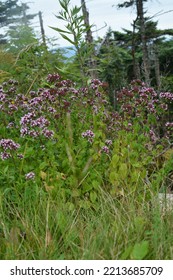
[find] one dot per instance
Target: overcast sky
(101, 12)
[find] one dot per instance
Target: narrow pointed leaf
(60, 30)
(66, 38)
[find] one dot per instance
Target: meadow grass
(44, 228)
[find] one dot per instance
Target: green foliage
(6, 63)
(79, 180)
(20, 38)
(67, 187)
(140, 250)
(74, 31)
(128, 167)
(13, 14)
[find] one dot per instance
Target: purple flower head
(51, 110)
(35, 101)
(95, 83)
(164, 106)
(108, 142)
(13, 107)
(169, 125)
(95, 109)
(153, 136)
(89, 135)
(167, 96)
(33, 133)
(53, 77)
(24, 131)
(20, 156)
(46, 95)
(40, 122)
(30, 176)
(5, 155)
(10, 125)
(2, 96)
(26, 119)
(105, 149)
(33, 93)
(48, 133)
(9, 144)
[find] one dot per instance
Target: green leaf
(42, 165)
(66, 38)
(140, 250)
(86, 188)
(95, 184)
(93, 197)
(75, 10)
(112, 177)
(60, 30)
(64, 4)
(125, 255)
(115, 160)
(123, 170)
(61, 17)
(5, 169)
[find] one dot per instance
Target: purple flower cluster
(8, 145)
(153, 136)
(145, 105)
(27, 119)
(30, 176)
(105, 149)
(5, 155)
(48, 133)
(35, 127)
(169, 125)
(40, 122)
(2, 96)
(53, 78)
(108, 142)
(168, 96)
(89, 135)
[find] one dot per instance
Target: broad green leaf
(123, 170)
(86, 187)
(115, 160)
(6, 169)
(42, 165)
(140, 250)
(93, 197)
(95, 184)
(125, 255)
(135, 176)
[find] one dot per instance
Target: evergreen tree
(12, 15)
(144, 41)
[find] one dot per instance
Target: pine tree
(140, 18)
(12, 15)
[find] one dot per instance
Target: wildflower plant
(73, 141)
(63, 150)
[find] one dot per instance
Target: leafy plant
(75, 28)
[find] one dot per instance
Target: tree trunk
(157, 67)
(146, 64)
(42, 28)
(136, 67)
(89, 42)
